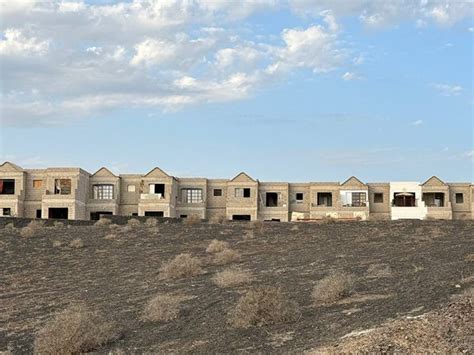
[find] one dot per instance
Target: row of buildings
(73, 193)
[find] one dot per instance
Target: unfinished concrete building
(73, 193)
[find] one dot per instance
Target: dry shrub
(379, 271)
(58, 224)
(125, 229)
(332, 288)
(295, 228)
(163, 308)
(76, 243)
(226, 256)
(114, 226)
(193, 219)
(111, 236)
(75, 330)
(216, 246)
(248, 235)
(258, 226)
(469, 257)
(262, 306)
(183, 265)
(10, 226)
(103, 222)
(231, 277)
(133, 222)
(31, 229)
(57, 243)
(151, 222)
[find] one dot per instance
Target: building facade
(73, 193)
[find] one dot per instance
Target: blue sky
(293, 90)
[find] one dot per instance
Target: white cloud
(447, 90)
(417, 123)
(350, 76)
(313, 48)
(17, 44)
(171, 53)
(378, 13)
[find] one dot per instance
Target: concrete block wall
(138, 200)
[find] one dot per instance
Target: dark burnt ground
(425, 261)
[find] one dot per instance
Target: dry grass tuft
(378, 271)
(232, 277)
(217, 246)
(151, 222)
(103, 222)
(226, 256)
(111, 236)
(75, 330)
(193, 219)
(58, 224)
(31, 229)
(469, 257)
(164, 307)
(133, 222)
(10, 226)
(76, 243)
(332, 288)
(114, 226)
(249, 235)
(263, 306)
(183, 265)
(258, 226)
(57, 244)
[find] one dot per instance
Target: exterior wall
(299, 209)
(320, 212)
(442, 212)
(379, 210)
(420, 211)
(279, 212)
(461, 210)
(191, 209)
(28, 199)
(150, 202)
(216, 205)
(242, 205)
(100, 205)
(128, 201)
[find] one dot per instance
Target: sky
(290, 90)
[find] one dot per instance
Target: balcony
(152, 197)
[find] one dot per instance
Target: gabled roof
(434, 180)
(157, 172)
(7, 166)
(243, 177)
(353, 181)
(104, 172)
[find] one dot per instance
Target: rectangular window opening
(58, 213)
(191, 195)
(38, 214)
(217, 192)
(378, 197)
(154, 213)
(62, 186)
(459, 197)
(104, 192)
(271, 199)
(359, 199)
(299, 197)
(7, 186)
(324, 199)
(7, 211)
(37, 184)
